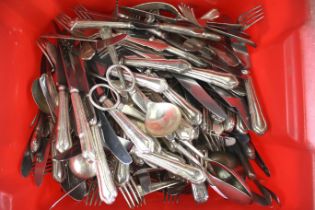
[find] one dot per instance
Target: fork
(67, 23)
(93, 197)
(250, 17)
(188, 13)
(48, 167)
(172, 193)
(82, 14)
(43, 45)
(127, 186)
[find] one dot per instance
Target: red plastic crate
(284, 76)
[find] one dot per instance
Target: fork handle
(258, 121)
(63, 139)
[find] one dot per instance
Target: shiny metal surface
(81, 167)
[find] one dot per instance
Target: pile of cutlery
(151, 99)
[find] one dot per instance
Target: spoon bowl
(38, 97)
(162, 118)
(81, 167)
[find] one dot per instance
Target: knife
(246, 143)
(107, 189)
(236, 102)
(112, 141)
(63, 138)
(202, 96)
(160, 46)
(179, 66)
(27, 159)
(74, 79)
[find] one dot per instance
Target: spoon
(161, 118)
(45, 94)
(39, 97)
(81, 168)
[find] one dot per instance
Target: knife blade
(112, 141)
(236, 102)
(203, 97)
(27, 161)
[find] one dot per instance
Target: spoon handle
(63, 137)
(142, 142)
(141, 100)
(258, 121)
(192, 114)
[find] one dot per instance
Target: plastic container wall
(283, 72)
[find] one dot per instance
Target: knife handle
(82, 126)
(188, 56)
(63, 137)
(142, 142)
(174, 65)
(221, 79)
(192, 114)
(188, 31)
(84, 24)
(258, 121)
(189, 172)
(107, 189)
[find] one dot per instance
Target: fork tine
(81, 15)
(64, 20)
(132, 193)
(89, 195)
(127, 197)
(80, 7)
(138, 195)
(188, 13)
(97, 197)
(60, 21)
(248, 13)
(92, 194)
(253, 20)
